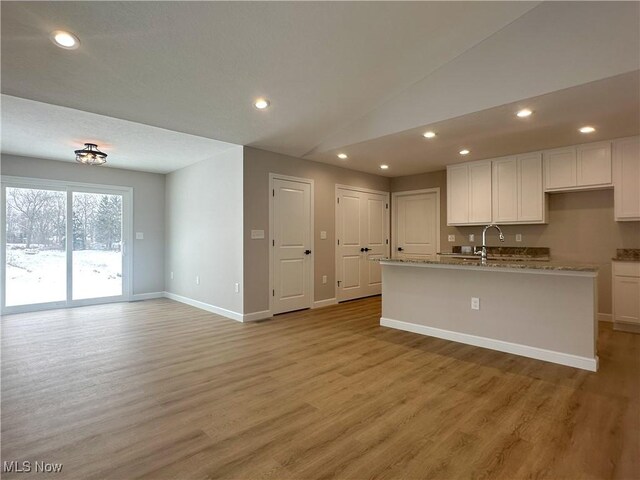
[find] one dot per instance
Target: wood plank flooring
(158, 390)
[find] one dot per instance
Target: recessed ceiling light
(525, 112)
(261, 103)
(429, 134)
(64, 39)
(342, 156)
(464, 152)
(384, 167)
(587, 129)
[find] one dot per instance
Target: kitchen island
(542, 310)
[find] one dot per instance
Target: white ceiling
(47, 131)
(611, 105)
(340, 75)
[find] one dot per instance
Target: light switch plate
(139, 235)
(452, 238)
(257, 234)
(323, 235)
(475, 303)
(324, 279)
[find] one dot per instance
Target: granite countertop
(627, 255)
(499, 264)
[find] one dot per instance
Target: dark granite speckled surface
(515, 253)
(627, 255)
(499, 264)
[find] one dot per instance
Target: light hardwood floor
(158, 389)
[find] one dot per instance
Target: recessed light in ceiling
(65, 40)
(464, 152)
(342, 156)
(525, 112)
(429, 134)
(261, 103)
(587, 129)
(384, 167)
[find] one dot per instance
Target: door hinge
(386, 205)
(273, 192)
(387, 241)
(338, 283)
(273, 293)
(338, 241)
(273, 243)
(338, 199)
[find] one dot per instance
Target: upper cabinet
(469, 193)
(626, 180)
(518, 196)
(578, 168)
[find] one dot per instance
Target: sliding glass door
(63, 244)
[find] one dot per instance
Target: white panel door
(626, 162)
(594, 164)
(457, 194)
(416, 225)
(505, 190)
(560, 168)
(292, 256)
(362, 220)
(480, 192)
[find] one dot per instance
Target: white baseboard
(146, 296)
(255, 316)
(325, 303)
(605, 317)
(584, 363)
(205, 306)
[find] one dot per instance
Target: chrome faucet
(483, 252)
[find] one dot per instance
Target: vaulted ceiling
(353, 76)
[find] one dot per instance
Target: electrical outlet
(139, 235)
(451, 238)
(323, 235)
(472, 237)
(171, 275)
(518, 237)
(197, 279)
(237, 287)
(324, 279)
(475, 303)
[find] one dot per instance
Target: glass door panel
(36, 265)
(97, 245)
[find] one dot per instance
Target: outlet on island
(475, 303)
(452, 238)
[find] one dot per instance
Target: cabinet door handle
(307, 252)
(400, 249)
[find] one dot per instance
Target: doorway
(63, 244)
(291, 252)
(362, 231)
(416, 224)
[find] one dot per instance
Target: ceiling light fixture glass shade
(90, 155)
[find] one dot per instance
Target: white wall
(204, 221)
(148, 208)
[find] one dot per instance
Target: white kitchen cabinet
(626, 292)
(626, 178)
(518, 195)
(469, 193)
(579, 167)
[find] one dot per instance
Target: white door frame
(309, 181)
(394, 226)
(69, 187)
(336, 204)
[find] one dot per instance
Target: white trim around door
(273, 177)
(69, 188)
(359, 253)
(394, 226)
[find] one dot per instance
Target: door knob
(400, 249)
(362, 249)
(307, 252)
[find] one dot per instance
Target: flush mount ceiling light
(587, 129)
(261, 103)
(429, 134)
(525, 112)
(65, 40)
(464, 152)
(342, 156)
(90, 155)
(384, 167)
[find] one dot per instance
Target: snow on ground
(41, 277)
